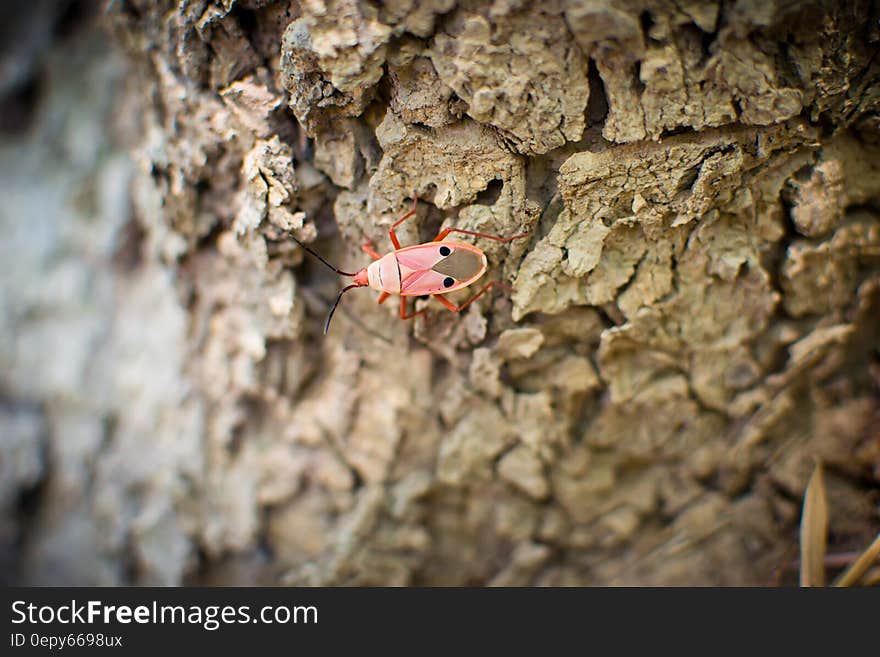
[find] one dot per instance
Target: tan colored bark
(694, 317)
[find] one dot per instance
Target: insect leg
(443, 233)
(383, 296)
(457, 309)
(391, 231)
(403, 313)
(367, 247)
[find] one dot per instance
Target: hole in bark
(706, 41)
(597, 107)
(246, 19)
(639, 85)
(688, 178)
(804, 173)
(680, 130)
(490, 195)
(647, 22)
(72, 16)
(29, 499)
(19, 107)
(429, 218)
(209, 238)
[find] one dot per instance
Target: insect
(433, 268)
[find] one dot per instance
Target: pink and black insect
(434, 268)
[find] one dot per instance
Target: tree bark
(694, 317)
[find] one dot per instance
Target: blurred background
(66, 317)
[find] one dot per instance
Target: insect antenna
(318, 256)
(336, 303)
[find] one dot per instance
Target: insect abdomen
(384, 274)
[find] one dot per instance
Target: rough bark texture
(694, 318)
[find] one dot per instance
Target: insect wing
(436, 268)
(419, 257)
(427, 281)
